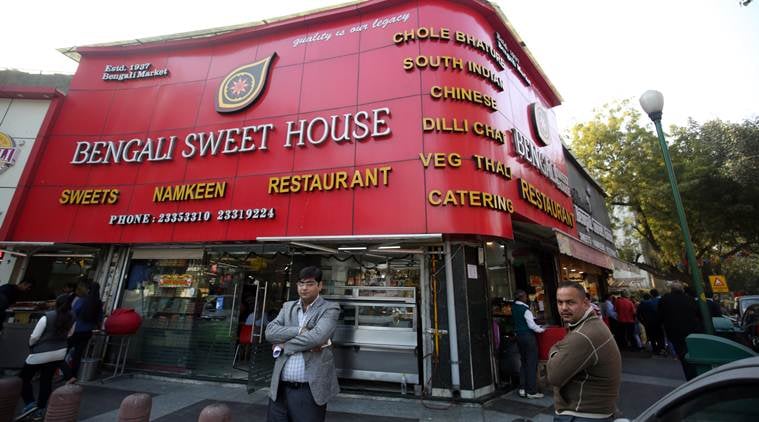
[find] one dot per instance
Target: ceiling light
(389, 247)
(312, 246)
(352, 248)
(399, 251)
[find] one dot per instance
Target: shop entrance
(204, 310)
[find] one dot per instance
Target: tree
(715, 163)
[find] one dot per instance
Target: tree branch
(649, 234)
(734, 251)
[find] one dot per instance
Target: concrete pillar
(135, 408)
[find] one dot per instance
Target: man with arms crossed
(304, 377)
(585, 368)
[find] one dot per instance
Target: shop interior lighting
(389, 247)
(364, 238)
(352, 248)
(398, 250)
(14, 253)
(316, 247)
(64, 255)
(489, 243)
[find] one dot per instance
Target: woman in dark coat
(48, 351)
(89, 314)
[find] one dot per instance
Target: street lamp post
(652, 103)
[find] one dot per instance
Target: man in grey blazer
(304, 377)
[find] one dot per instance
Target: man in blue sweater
(525, 328)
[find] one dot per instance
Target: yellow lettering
(357, 180)
(284, 184)
(295, 184)
(371, 176)
(316, 183)
(450, 198)
(64, 198)
(342, 177)
(434, 197)
(113, 196)
(475, 199)
(274, 185)
(487, 200)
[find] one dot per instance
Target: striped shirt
(295, 367)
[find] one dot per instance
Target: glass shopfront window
(193, 309)
(591, 277)
(50, 276)
(52, 273)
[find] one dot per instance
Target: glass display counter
(376, 336)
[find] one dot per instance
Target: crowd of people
(666, 321)
(58, 342)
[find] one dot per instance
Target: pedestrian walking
(584, 368)
(304, 377)
(48, 351)
(648, 315)
(626, 318)
(679, 316)
(608, 312)
(525, 329)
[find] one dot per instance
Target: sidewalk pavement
(645, 379)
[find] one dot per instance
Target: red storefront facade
(378, 121)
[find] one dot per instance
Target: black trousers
(655, 335)
(528, 354)
(681, 348)
(295, 404)
(77, 345)
(46, 370)
(628, 334)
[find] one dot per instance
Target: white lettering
(81, 153)
(189, 152)
(324, 135)
(230, 140)
(291, 132)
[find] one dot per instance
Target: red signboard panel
(382, 118)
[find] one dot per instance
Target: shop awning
(620, 265)
(570, 246)
(47, 249)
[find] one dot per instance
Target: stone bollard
(63, 405)
(10, 391)
(135, 408)
(216, 412)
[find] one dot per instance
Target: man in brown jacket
(584, 368)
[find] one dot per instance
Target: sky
(703, 55)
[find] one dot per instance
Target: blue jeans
(570, 418)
